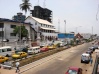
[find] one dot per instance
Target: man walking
(17, 66)
(91, 61)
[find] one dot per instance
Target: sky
(80, 15)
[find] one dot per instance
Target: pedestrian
(91, 61)
(17, 66)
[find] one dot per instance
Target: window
(8, 49)
(1, 33)
(4, 50)
(1, 25)
(13, 26)
(35, 23)
(0, 51)
(12, 34)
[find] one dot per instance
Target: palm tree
(25, 6)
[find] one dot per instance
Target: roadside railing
(95, 68)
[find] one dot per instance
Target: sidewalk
(7, 71)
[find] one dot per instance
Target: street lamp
(65, 26)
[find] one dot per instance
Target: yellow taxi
(19, 55)
(51, 46)
(3, 59)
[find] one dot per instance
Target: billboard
(62, 35)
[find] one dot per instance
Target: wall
(7, 30)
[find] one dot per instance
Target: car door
(80, 71)
(2, 59)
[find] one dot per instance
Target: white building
(8, 27)
(86, 35)
(45, 28)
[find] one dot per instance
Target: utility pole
(38, 2)
(58, 25)
(92, 30)
(44, 4)
(65, 26)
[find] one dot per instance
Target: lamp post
(65, 26)
(58, 25)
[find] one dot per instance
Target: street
(59, 63)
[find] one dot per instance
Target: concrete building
(42, 13)
(7, 27)
(86, 35)
(45, 29)
(19, 17)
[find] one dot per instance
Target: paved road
(57, 63)
(61, 61)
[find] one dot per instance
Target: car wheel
(7, 55)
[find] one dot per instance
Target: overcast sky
(80, 15)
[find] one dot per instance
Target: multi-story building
(42, 13)
(19, 17)
(45, 28)
(7, 26)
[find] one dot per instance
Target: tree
(21, 30)
(25, 6)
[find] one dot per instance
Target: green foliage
(72, 42)
(25, 5)
(21, 30)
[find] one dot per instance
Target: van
(6, 51)
(33, 50)
(85, 58)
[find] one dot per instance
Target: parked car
(95, 46)
(92, 48)
(3, 59)
(89, 52)
(44, 49)
(85, 58)
(19, 55)
(33, 50)
(51, 46)
(6, 51)
(74, 70)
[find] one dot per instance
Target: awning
(47, 28)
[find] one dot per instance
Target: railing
(95, 65)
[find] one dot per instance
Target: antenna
(44, 4)
(38, 2)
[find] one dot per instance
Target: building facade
(42, 13)
(86, 35)
(45, 29)
(7, 26)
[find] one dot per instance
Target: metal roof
(41, 21)
(9, 20)
(47, 28)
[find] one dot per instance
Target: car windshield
(72, 72)
(18, 53)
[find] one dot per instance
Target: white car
(33, 50)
